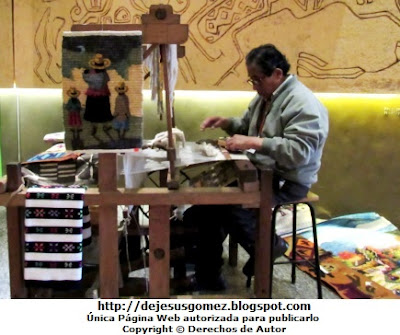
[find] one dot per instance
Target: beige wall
(6, 50)
(334, 46)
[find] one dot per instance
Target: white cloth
(172, 66)
(53, 234)
(149, 160)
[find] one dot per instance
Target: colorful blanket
(360, 255)
(54, 236)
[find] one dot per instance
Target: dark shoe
(280, 248)
(213, 283)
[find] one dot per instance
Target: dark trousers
(214, 222)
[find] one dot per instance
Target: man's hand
(241, 142)
(214, 122)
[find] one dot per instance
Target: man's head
(267, 68)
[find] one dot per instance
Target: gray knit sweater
(294, 132)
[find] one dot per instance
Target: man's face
(264, 85)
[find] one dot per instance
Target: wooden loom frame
(159, 28)
(107, 196)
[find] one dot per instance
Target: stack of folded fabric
(56, 164)
(54, 236)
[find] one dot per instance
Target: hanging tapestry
(102, 89)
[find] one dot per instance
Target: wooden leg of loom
(108, 232)
(159, 233)
(15, 222)
(15, 254)
(263, 239)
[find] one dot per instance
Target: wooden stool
(311, 197)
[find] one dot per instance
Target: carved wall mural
(333, 46)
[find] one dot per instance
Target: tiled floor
(305, 286)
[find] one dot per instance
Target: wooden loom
(159, 28)
(107, 196)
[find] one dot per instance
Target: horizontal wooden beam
(111, 26)
(156, 196)
(155, 33)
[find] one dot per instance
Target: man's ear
(278, 73)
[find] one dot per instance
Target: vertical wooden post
(159, 233)
(108, 232)
(163, 177)
(171, 145)
(262, 269)
(15, 223)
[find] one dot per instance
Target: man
(284, 129)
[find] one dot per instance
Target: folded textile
(62, 172)
(54, 236)
(57, 137)
(55, 164)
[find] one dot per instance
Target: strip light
(201, 94)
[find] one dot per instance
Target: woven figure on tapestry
(121, 113)
(74, 108)
(54, 236)
(93, 62)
